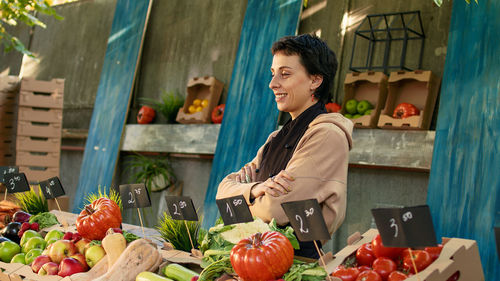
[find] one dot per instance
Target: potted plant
(156, 173)
(169, 104)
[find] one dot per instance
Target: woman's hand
(247, 174)
(275, 186)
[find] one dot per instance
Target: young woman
(308, 157)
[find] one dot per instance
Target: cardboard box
(39, 129)
(41, 159)
(7, 268)
(36, 114)
(38, 93)
(419, 88)
(370, 86)
(36, 174)
(24, 143)
(26, 274)
(457, 255)
(201, 88)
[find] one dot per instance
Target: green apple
(351, 106)
(19, 258)
(368, 112)
(347, 115)
(27, 235)
(52, 240)
(363, 106)
(32, 254)
(94, 254)
(356, 116)
(8, 249)
(34, 243)
(54, 234)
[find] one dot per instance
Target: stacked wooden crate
(9, 91)
(39, 125)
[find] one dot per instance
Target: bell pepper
(404, 110)
(332, 107)
(218, 113)
(146, 115)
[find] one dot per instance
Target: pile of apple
(355, 109)
(197, 105)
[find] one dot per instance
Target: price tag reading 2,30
(306, 219)
(234, 210)
(134, 196)
(16, 182)
(181, 208)
(52, 188)
(7, 170)
(405, 227)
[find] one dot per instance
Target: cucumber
(150, 276)
(179, 273)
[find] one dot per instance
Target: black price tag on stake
(181, 208)
(134, 196)
(306, 219)
(16, 182)
(234, 210)
(52, 188)
(7, 170)
(408, 227)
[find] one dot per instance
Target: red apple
(81, 258)
(70, 266)
(117, 230)
(62, 249)
(50, 268)
(38, 262)
(76, 237)
(81, 245)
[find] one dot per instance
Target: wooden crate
(9, 83)
(35, 174)
(39, 159)
(39, 129)
(37, 114)
(8, 268)
(38, 144)
(36, 93)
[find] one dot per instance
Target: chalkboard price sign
(405, 227)
(234, 210)
(52, 188)
(134, 196)
(4, 170)
(307, 220)
(181, 208)
(16, 182)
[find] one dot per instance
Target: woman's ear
(316, 81)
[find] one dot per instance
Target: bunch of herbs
(32, 202)
(174, 232)
(169, 104)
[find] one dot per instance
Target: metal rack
(387, 29)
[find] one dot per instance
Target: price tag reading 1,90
(405, 227)
(234, 210)
(7, 170)
(181, 208)
(134, 196)
(52, 188)
(306, 219)
(16, 182)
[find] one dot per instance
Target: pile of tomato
(374, 262)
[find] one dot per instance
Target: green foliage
(32, 202)
(174, 232)
(24, 11)
(113, 195)
(168, 106)
(147, 168)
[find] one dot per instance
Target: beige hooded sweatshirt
(319, 166)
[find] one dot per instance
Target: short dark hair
(315, 56)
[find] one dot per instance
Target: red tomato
(146, 115)
(346, 274)
(265, 256)
(369, 275)
(95, 219)
(434, 252)
(380, 251)
(404, 110)
(362, 268)
(384, 267)
(218, 114)
(364, 255)
(397, 276)
(422, 260)
(332, 107)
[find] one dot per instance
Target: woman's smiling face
(292, 85)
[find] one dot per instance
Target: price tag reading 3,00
(234, 210)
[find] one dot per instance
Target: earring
(312, 97)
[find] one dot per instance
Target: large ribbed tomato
(265, 256)
(96, 218)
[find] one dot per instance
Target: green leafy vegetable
(44, 220)
(301, 271)
(129, 237)
(288, 232)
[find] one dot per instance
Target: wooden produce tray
(38, 144)
(39, 159)
(39, 129)
(37, 114)
(36, 93)
(36, 174)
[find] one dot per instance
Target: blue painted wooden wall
(250, 114)
(464, 184)
(113, 97)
